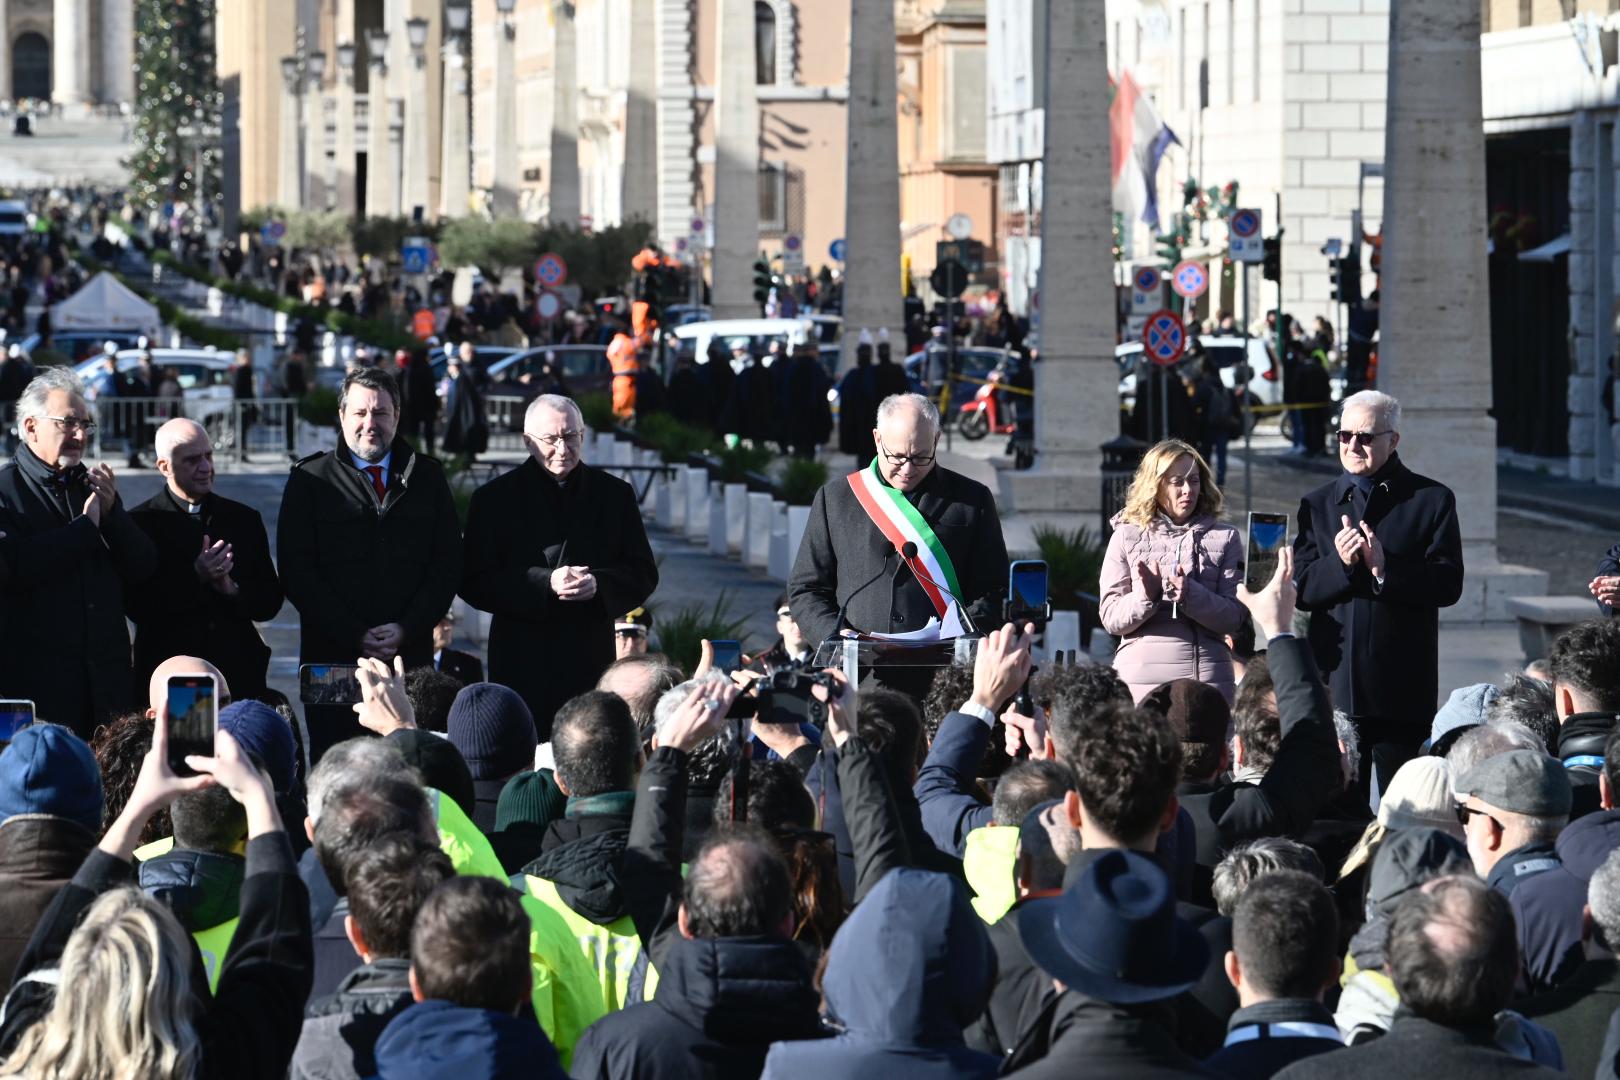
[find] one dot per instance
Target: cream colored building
(74, 53)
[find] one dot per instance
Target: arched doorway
(31, 67)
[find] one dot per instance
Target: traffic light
(762, 281)
(1271, 268)
(1334, 284)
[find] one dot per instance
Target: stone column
(314, 133)
(70, 61)
(455, 161)
(414, 182)
(1076, 382)
(346, 200)
(736, 163)
(117, 51)
(639, 191)
(1435, 341)
(290, 182)
(503, 127)
(872, 181)
(382, 183)
(563, 185)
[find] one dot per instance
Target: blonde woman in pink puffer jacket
(1170, 578)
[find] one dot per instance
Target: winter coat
(857, 412)
(1547, 907)
(1269, 1036)
(202, 888)
(339, 1039)
(1578, 1013)
(466, 428)
(1581, 739)
(1379, 648)
(1303, 776)
(1416, 1047)
(721, 1003)
(1021, 989)
(38, 855)
(906, 973)
(435, 1040)
(1155, 648)
(1076, 1035)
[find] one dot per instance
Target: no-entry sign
(1163, 338)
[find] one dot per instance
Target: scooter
(984, 413)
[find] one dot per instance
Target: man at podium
(903, 546)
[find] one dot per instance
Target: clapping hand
(214, 565)
(1172, 582)
(1606, 589)
(1350, 542)
(1145, 582)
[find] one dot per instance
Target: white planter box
(663, 506)
(677, 498)
(697, 504)
(736, 507)
(798, 517)
(761, 516)
(717, 526)
(781, 557)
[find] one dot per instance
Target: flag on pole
(1139, 140)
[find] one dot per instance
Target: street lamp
(415, 193)
(345, 201)
(315, 133)
(289, 179)
(503, 194)
(382, 177)
(455, 145)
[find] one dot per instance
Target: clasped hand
(573, 583)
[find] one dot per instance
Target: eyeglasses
(572, 438)
(69, 424)
(1360, 438)
(1464, 811)
(902, 460)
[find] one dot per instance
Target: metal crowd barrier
(252, 431)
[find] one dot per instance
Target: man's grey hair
(554, 402)
(32, 400)
(173, 434)
(670, 701)
(1487, 741)
(1603, 897)
(1385, 409)
(352, 763)
(895, 403)
(1246, 862)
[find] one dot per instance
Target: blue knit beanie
(49, 770)
(493, 729)
(261, 731)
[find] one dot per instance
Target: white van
(13, 218)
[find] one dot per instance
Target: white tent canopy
(105, 303)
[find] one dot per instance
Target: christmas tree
(177, 105)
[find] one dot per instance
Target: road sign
(836, 250)
(1163, 338)
(970, 253)
(278, 229)
(1147, 290)
(416, 255)
(549, 305)
(697, 226)
(1189, 280)
(959, 226)
(949, 279)
(1245, 244)
(550, 271)
(793, 254)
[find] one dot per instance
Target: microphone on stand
(843, 608)
(908, 551)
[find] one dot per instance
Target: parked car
(13, 216)
(81, 345)
(206, 387)
(926, 367)
(584, 367)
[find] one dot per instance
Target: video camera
(782, 696)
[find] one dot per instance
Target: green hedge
(370, 331)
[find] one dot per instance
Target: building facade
(74, 53)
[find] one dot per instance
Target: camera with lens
(782, 696)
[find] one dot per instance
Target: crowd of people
(1256, 843)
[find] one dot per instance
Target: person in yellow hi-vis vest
(597, 751)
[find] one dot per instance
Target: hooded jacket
(906, 973)
(339, 1040)
(1580, 747)
(1547, 907)
(1157, 644)
(38, 855)
(435, 1040)
(721, 1004)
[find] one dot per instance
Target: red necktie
(375, 472)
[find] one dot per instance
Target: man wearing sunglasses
(1377, 555)
(901, 543)
(73, 553)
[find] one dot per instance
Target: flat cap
(1519, 782)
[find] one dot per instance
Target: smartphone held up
(1268, 535)
(191, 709)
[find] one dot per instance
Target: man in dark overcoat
(214, 577)
(1377, 555)
(369, 546)
(848, 557)
(73, 553)
(555, 550)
